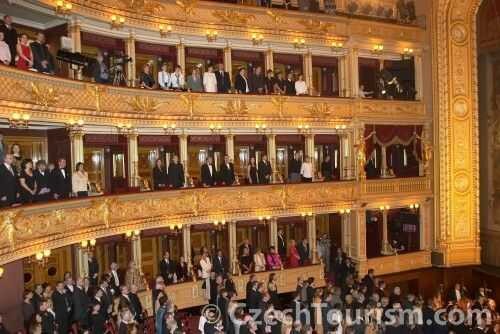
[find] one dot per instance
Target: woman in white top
(5, 56)
(164, 77)
(177, 79)
(301, 86)
(206, 269)
(209, 80)
(80, 181)
(306, 170)
(259, 260)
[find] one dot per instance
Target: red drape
(387, 135)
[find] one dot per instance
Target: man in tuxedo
(136, 302)
(101, 299)
(227, 172)
(282, 244)
(62, 308)
(265, 171)
(48, 317)
(10, 37)
(241, 83)
(456, 294)
(220, 263)
(42, 59)
(303, 249)
(81, 304)
(60, 180)
(43, 193)
(114, 281)
(175, 173)
(294, 168)
(93, 269)
(125, 300)
(208, 173)
(167, 268)
(9, 190)
(369, 281)
(223, 79)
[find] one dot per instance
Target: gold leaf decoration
(278, 19)
(144, 104)
(10, 228)
(42, 95)
(279, 103)
(317, 25)
(235, 108)
(189, 100)
(320, 110)
(187, 6)
(97, 91)
(145, 7)
(234, 17)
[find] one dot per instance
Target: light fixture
(407, 53)
(169, 129)
(215, 128)
(63, 7)
(337, 46)
(132, 235)
(125, 128)
(211, 35)
(345, 211)
(73, 125)
(299, 43)
(304, 128)
(307, 214)
(165, 30)
(384, 207)
(19, 120)
(88, 245)
(117, 22)
(2, 272)
(414, 206)
(42, 258)
(378, 48)
(261, 128)
(340, 127)
(176, 228)
(257, 39)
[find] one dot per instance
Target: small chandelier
(19, 120)
(304, 128)
(211, 35)
(165, 30)
(169, 129)
(125, 128)
(257, 39)
(117, 22)
(378, 48)
(261, 128)
(63, 7)
(88, 245)
(337, 46)
(215, 128)
(299, 43)
(133, 235)
(73, 125)
(42, 258)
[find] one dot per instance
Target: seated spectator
(24, 53)
(5, 56)
(241, 84)
(257, 81)
(194, 82)
(101, 71)
(177, 79)
(209, 80)
(290, 85)
(164, 77)
(146, 79)
(246, 262)
(259, 260)
(279, 84)
(273, 260)
(42, 59)
(301, 86)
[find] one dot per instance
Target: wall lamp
(211, 35)
(132, 235)
(261, 128)
(299, 43)
(169, 129)
(257, 39)
(337, 46)
(73, 125)
(117, 22)
(63, 7)
(304, 128)
(215, 128)
(345, 211)
(88, 245)
(378, 48)
(165, 30)
(384, 207)
(19, 120)
(125, 128)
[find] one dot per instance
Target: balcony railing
(27, 230)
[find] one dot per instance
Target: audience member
(241, 84)
(301, 86)
(194, 82)
(146, 79)
(80, 181)
(257, 81)
(164, 77)
(177, 79)
(60, 181)
(42, 59)
(209, 80)
(10, 189)
(100, 70)
(223, 79)
(10, 36)
(5, 55)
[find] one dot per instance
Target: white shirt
(210, 167)
(201, 324)
(5, 55)
(164, 79)
(301, 87)
(9, 168)
(63, 172)
(306, 170)
(115, 277)
(206, 267)
(177, 80)
(79, 182)
(210, 82)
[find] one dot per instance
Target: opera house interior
(249, 166)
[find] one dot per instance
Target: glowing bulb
(93, 242)
(47, 252)
(85, 244)
(39, 256)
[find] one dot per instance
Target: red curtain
(387, 135)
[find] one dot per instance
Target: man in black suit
(114, 279)
(42, 179)
(125, 300)
(303, 249)
(136, 302)
(208, 173)
(294, 168)
(60, 180)
(227, 172)
(369, 281)
(241, 83)
(42, 59)
(265, 170)
(223, 79)
(282, 244)
(48, 317)
(93, 269)
(167, 268)
(10, 37)
(9, 190)
(81, 304)
(220, 263)
(101, 299)
(176, 173)
(62, 308)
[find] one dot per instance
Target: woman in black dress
(27, 182)
(252, 172)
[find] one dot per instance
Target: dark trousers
(82, 194)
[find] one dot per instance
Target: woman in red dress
(293, 257)
(25, 60)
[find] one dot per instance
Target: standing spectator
(293, 255)
(258, 81)
(8, 180)
(273, 259)
(160, 179)
(306, 171)
(327, 169)
(60, 180)
(167, 268)
(295, 166)
(42, 59)
(259, 260)
(208, 173)
(209, 80)
(282, 244)
(80, 302)
(146, 79)
(223, 79)
(265, 170)
(42, 182)
(100, 71)
(28, 309)
(177, 79)
(301, 86)
(27, 182)
(290, 85)
(80, 181)
(279, 84)
(2, 148)
(252, 172)
(93, 269)
(164, 77)
(10, 36)
(62, 308)
(269, 82)
(175, 173)
(5, 55)
(241, 84)
(303, 249)
(220, 263)
(227, 172)
(194, 82)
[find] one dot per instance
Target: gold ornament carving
(462, 182)
(187, 6)
(279, 104)
(320, 110)
(234, 17)
(277, 19)
(189, 100)
(317, 25)
(97, 91)
(459, 33)
(460, 108)
(41, 95)
(144, 104)
(9, 228)
(235, 107)
(361, 157)
(144, 7)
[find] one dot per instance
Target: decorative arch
(456, 131)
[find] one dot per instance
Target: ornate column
(228, 62)
(383, 162)
(311, 237)
(230, 146)
(273, 232)
(136, 247)
(76, 140)
(358, 238)
(309, 149)
(308, 72)
(346, 233)
(425, 225)
(82, 262)
(419, 84)
(359, 144)
(183, 155)
(271, 153)
(346, 156)
(353, 72)
(269, 62)
(133, 160)
(385, 234)
(233, 253)
(74, 32)
(343, 77)
(186, 242)
(181, 56)
(130, 51)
